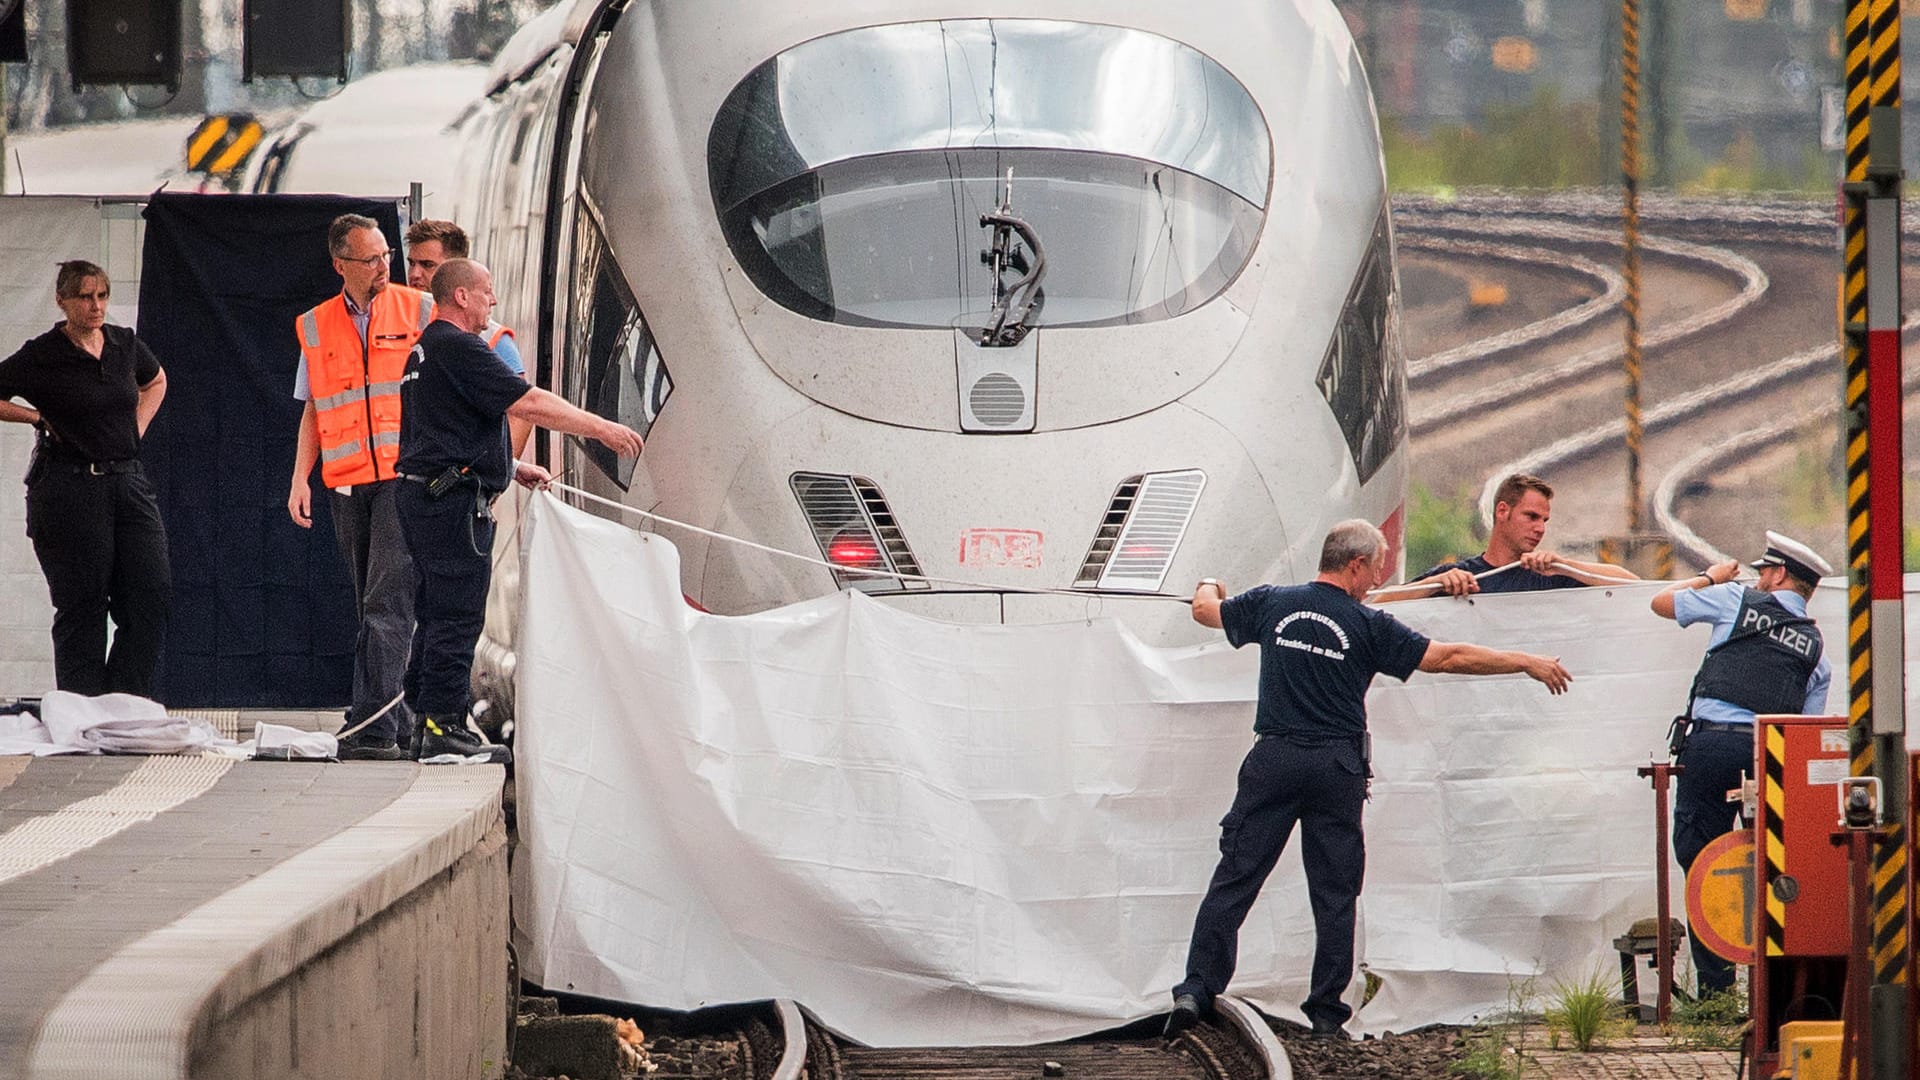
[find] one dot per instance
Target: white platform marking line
(159, 784)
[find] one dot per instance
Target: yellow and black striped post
(1630, 258)
(1870, 346)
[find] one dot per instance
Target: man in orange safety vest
(353, 351)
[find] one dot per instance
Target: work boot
(361, 746)
(1327, 1029)
(442, 735)
(1185, 1014)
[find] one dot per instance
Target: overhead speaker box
(124, 42)
(13, 31)
(295, 38)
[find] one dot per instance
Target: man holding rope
(1320, 647)
(1513, 561)
(456, 398)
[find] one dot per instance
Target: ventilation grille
(856, 530)
(1144, 524)
(997, 400)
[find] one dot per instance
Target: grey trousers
(367, 526)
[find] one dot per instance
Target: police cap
(1799, 559)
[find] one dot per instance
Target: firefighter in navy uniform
(1765, 656)
(454, 461)
(1320, 647)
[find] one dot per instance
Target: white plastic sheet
(938, 834)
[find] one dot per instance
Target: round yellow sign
(1722, 900)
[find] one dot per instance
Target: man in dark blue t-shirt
(1320, 647)
(456, 396)
(1521, 506)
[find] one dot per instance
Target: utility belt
(448, 479)
(1685, 727)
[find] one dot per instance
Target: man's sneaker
(439, 736)
(363, 747)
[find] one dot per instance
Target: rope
(970, 586)
(1557, 565)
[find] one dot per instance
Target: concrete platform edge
(141, 1013)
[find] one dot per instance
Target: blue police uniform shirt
(453, 407)
(1518, 579)
(1720, 605)
(1319, 650)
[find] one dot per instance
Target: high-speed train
(1100, 297)
(1094, 297)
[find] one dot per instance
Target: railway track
(1726, 393)
(779, 1040)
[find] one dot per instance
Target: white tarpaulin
(946, 834)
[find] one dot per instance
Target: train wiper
(1013, 302)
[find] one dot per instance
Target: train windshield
(850, 173)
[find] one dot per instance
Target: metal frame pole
(1661, 774)
(1870, 345)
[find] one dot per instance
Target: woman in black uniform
(91, 390)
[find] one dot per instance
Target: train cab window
(871, 215)
(614, 367)
(1359, 377)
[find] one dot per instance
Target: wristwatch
(1215, 582)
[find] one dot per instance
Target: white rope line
(971, 586)
(1430, 583)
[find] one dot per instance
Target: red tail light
(856, 550)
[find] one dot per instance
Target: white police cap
(1799, 559)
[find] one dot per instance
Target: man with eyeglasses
(353, 351)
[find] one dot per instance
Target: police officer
(1320, 647)
(453, 462)
(1765, 655)
(95, 527)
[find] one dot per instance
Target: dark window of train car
(1360, 376)
(614, 367)
(870, 216)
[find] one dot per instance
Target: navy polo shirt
(1319, 650)
(1518, 579)
(454, 399)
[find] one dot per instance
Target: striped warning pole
(1870, 346)
(1630, 260)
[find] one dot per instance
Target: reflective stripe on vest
(356, 381)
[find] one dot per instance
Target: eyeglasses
(370, 261)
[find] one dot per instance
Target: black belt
(1720, 725)
(94, 468)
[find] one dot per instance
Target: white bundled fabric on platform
(940, 834)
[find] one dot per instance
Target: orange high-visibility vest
(495, 332)
(356, 386)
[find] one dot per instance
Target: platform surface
(100, 857)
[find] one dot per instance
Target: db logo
(1017, 549)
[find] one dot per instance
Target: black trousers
(1713, 762)
(366, 523)
(452, 551)
(1322, 788)
(104, 552)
